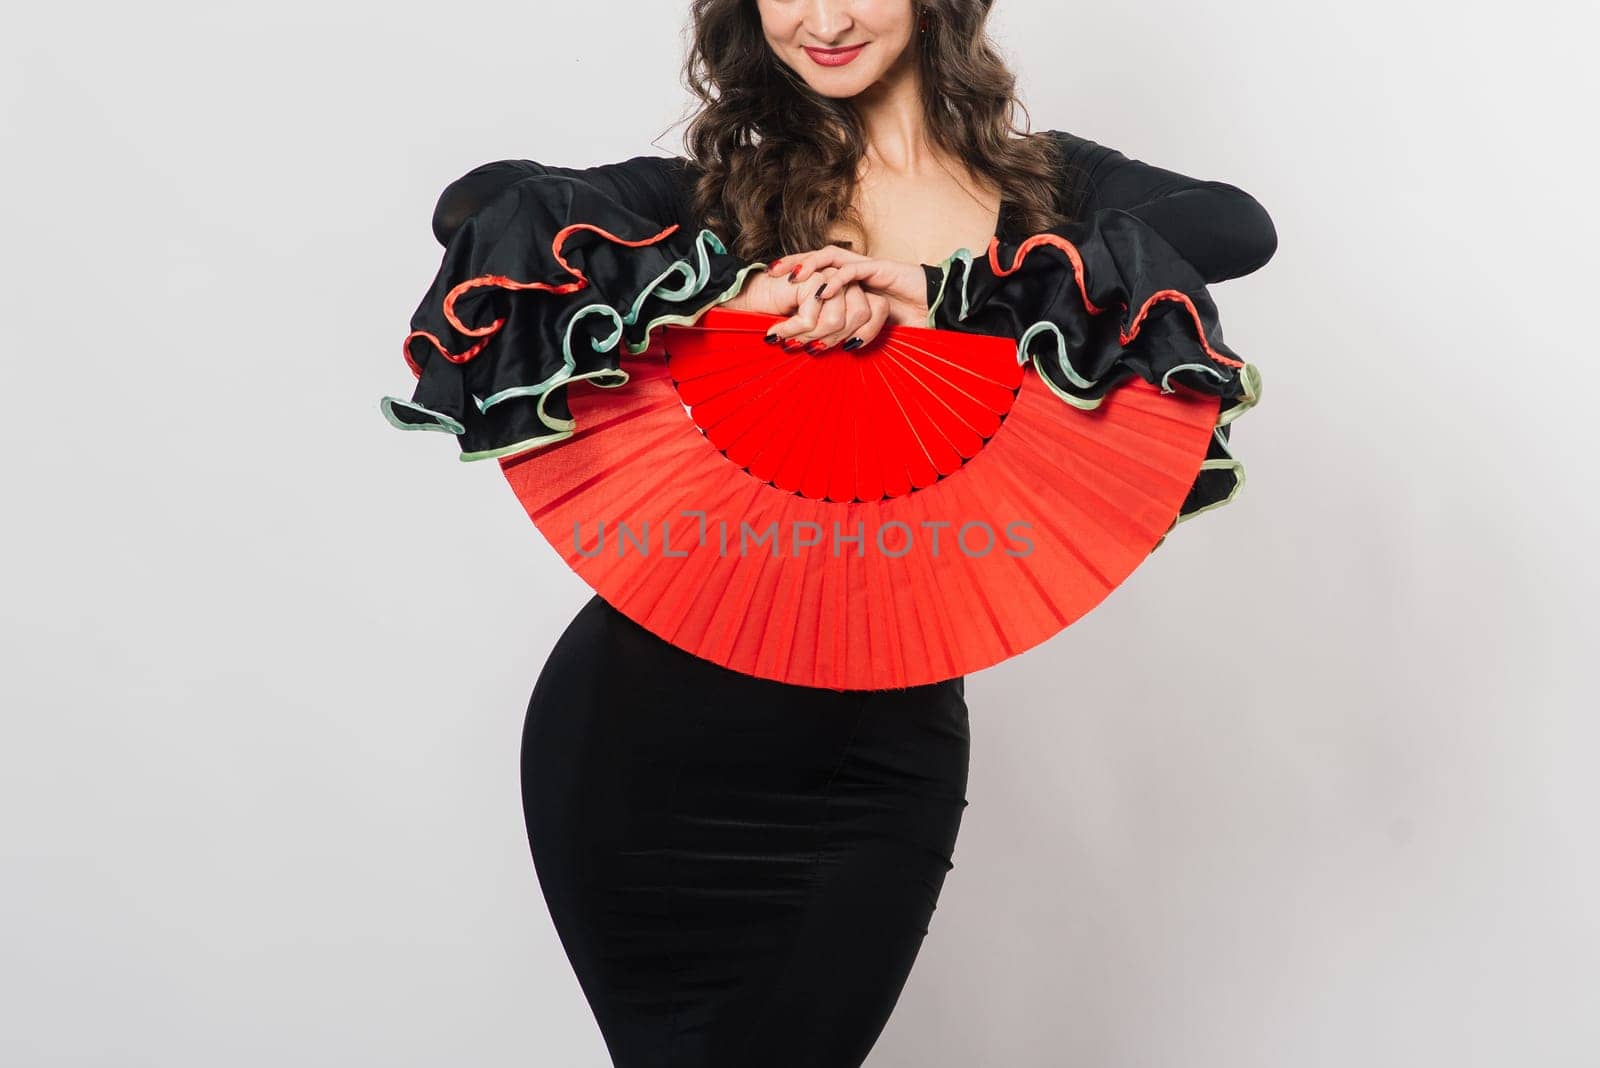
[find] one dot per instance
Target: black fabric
(491, 362)
(1219, 229)
(741, 872)
(655, 187)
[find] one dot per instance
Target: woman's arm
(549, 276)
(1220, 229)
(1121, 288)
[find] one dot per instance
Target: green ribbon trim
(694, 278)
(440, 421)
(1250, 376)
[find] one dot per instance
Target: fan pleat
(1058, 571)
(746, 427)
(768, 645)
(1087, 505)
(838, 452)
(716, 384)
(944, 442)
(806, 467)
(702, 591)
(777, 438)
(989, 379)
(914, 466)
(931, 629)
(1134, 494)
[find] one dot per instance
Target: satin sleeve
(1121, 292)
(654, 187)
(549, 276)
(1222, 231)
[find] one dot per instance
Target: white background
(1314, 788)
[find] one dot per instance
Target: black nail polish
(853, 344)
(822, 291)
(771, 339)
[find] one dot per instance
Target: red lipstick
(834, 57)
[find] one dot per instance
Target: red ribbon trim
(580, 281)
(1125, 335)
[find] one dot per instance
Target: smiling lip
(835, 57)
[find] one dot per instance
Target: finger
(854, 315)
(793, 332)
(786, 331)
(831, 319)
(865, 272)
(814, 260)
(897, 280)
(868, 332)
(803, 265)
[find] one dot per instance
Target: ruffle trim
(397, 409)
(682, 281)
(694, 280)
(1193, 327)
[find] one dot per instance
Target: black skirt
(741, 871)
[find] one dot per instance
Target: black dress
(741, 871)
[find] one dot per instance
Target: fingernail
(773, 266)
(822, 291)
(771, 339)
(816, 346)
(788, 342)
(853, 344)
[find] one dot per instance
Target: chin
(841, 83)
(841, 86)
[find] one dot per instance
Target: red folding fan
(917, 509)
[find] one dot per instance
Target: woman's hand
(850, 316)
(766, 294)
(834, 297)
(850, 312)
(904, 285)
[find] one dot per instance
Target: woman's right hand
(847, 313)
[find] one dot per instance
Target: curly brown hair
(778, 161)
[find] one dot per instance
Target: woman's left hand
(904, 284)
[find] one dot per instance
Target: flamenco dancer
(742, 871)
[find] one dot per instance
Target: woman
(742, 871)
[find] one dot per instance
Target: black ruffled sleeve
(1109, 296)
(547, 278)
